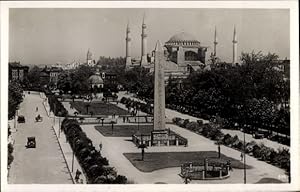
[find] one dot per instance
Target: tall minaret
(234, 41)
(215, 42)
(144, 43)
(128, 46)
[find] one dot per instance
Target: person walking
(242, 156)
(78, 173)
(100, 146)
(36, 109)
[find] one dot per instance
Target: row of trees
(130, 103)
(254, 93)
(94, 165)
(56, 106)
(279, 158)
(15, 97)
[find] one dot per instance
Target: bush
(193, 126)
(94, 165)
(10, 159)
(10, 148)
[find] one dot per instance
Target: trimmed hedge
(94, 165)
(146, 108)
(56, 106)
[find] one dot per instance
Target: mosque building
(183, 53)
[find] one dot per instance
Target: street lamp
(102, 119)
(244, 153)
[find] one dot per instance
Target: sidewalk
(65, 147)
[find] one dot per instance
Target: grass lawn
(269, 180)
(124, 130)
(161, 160)
(98, 108)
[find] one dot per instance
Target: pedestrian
(100, 146)
(78, 173)
(36, 109)
(242, 156)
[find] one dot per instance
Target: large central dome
(182, 37)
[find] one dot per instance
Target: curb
(73, 180)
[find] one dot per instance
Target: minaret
(159, 89)
(144, 43)
(234, 41)
(128, 47)
(215, 42)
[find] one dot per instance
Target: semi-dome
(183, 37)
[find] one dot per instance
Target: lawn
(269, 180)
(161, 160)
(98, 108)
(125, 130)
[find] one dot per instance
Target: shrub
(10, 159)
(193, 126)
(10, 148)
(95, 166)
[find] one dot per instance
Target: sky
(59, 35)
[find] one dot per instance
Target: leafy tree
(15, 97)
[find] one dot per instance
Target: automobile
(258, 135)
(38, 118)
(31, 143)
(21, 119)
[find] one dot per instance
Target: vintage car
(38, 118)
(21, 119)
(31, 143)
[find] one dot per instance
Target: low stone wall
(208, 172)
(172, 140)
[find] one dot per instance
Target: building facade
(17, 72)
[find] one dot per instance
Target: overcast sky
(48, 36)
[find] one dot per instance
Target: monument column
(159, 89)
(128, 47)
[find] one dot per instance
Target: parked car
(31, 143)
(21, 119)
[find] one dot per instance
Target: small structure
(205, 171)
(96, 81)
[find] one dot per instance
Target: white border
(294, 56)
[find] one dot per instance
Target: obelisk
(159, 88)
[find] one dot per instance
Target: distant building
(50, 75)
(17, 72)
(96, 81)
(89, 60)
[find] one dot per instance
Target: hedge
(94, 165)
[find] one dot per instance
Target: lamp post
(73, 155)
(244, 154)
(102, 119)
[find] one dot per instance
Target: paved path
(170, 114)
(114, 147)
(43, 164)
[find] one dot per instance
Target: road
(45, 163)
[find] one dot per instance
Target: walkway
(114, 147)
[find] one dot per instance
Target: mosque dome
(183, 37)
(96, 79)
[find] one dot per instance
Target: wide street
(45, 163)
